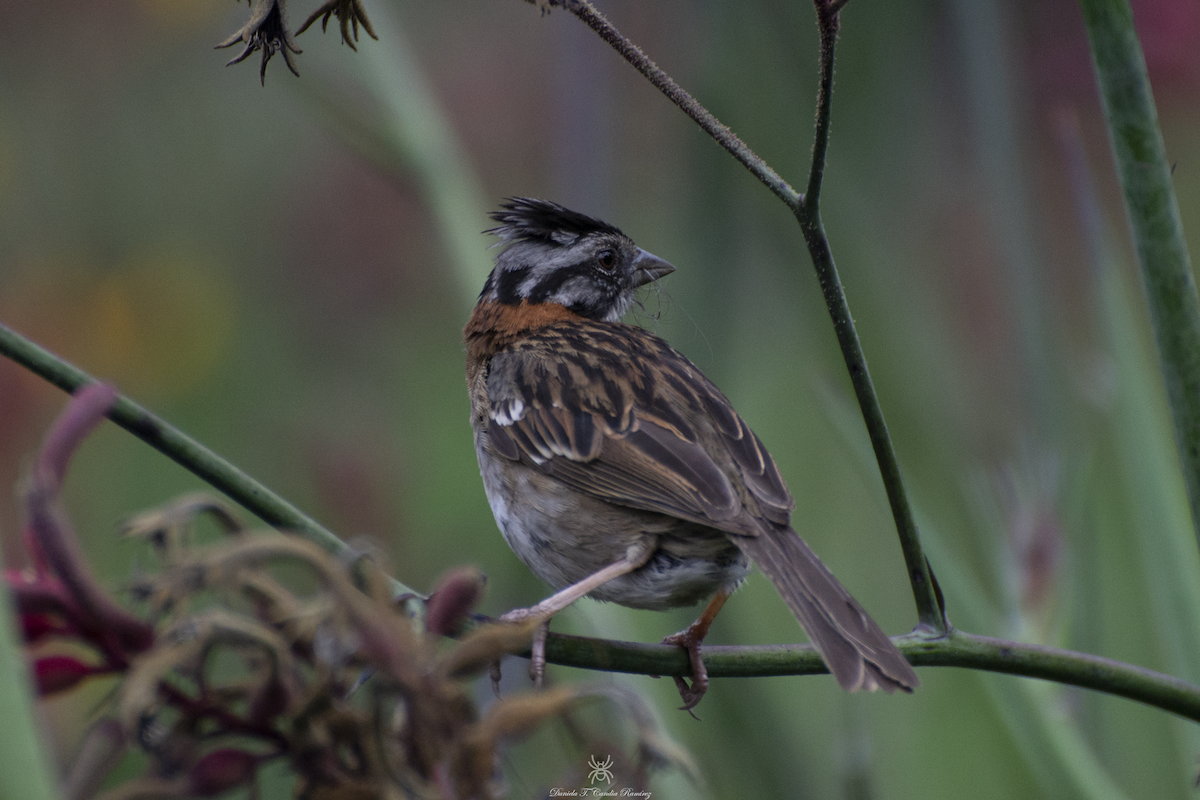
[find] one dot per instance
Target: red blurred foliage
(53, 674)
(59, 596)
(1060, 65)
(221, 770)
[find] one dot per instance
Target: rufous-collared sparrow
(616, 469)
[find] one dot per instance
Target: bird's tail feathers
(857, 652)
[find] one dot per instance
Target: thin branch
(808, 214)
(688, 104)
(180, 448)
(1153, 211)
(956, 649)
(827, 27)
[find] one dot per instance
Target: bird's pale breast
(563, 536)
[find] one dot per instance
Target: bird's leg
(537, 654)
(689, 639)
(635, 556)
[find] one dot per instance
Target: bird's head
(554, 255)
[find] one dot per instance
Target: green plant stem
(1154, 220)
(956, 649)
(180, 448)
(808, 214)
(827, 30)
(24, 766)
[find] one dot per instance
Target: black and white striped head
(555, 255)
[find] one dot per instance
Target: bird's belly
(564, 536)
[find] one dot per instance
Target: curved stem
(956, 649)
(179, 447)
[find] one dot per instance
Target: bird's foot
(537, 650)
(689, 639)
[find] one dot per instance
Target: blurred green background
(283, 272)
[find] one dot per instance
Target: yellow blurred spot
(113, 321)
(157, 325)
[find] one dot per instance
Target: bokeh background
(283, 272)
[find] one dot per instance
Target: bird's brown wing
(615, 412)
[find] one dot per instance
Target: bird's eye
(607, 259)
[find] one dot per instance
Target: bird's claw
(692, 693)
(537, 649)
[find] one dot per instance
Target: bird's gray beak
(647, 267)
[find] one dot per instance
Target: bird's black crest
(530, 220)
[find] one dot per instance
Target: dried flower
(60, 598)
(55, 674)
(456, 594)
(266, 30)
(350, 13)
